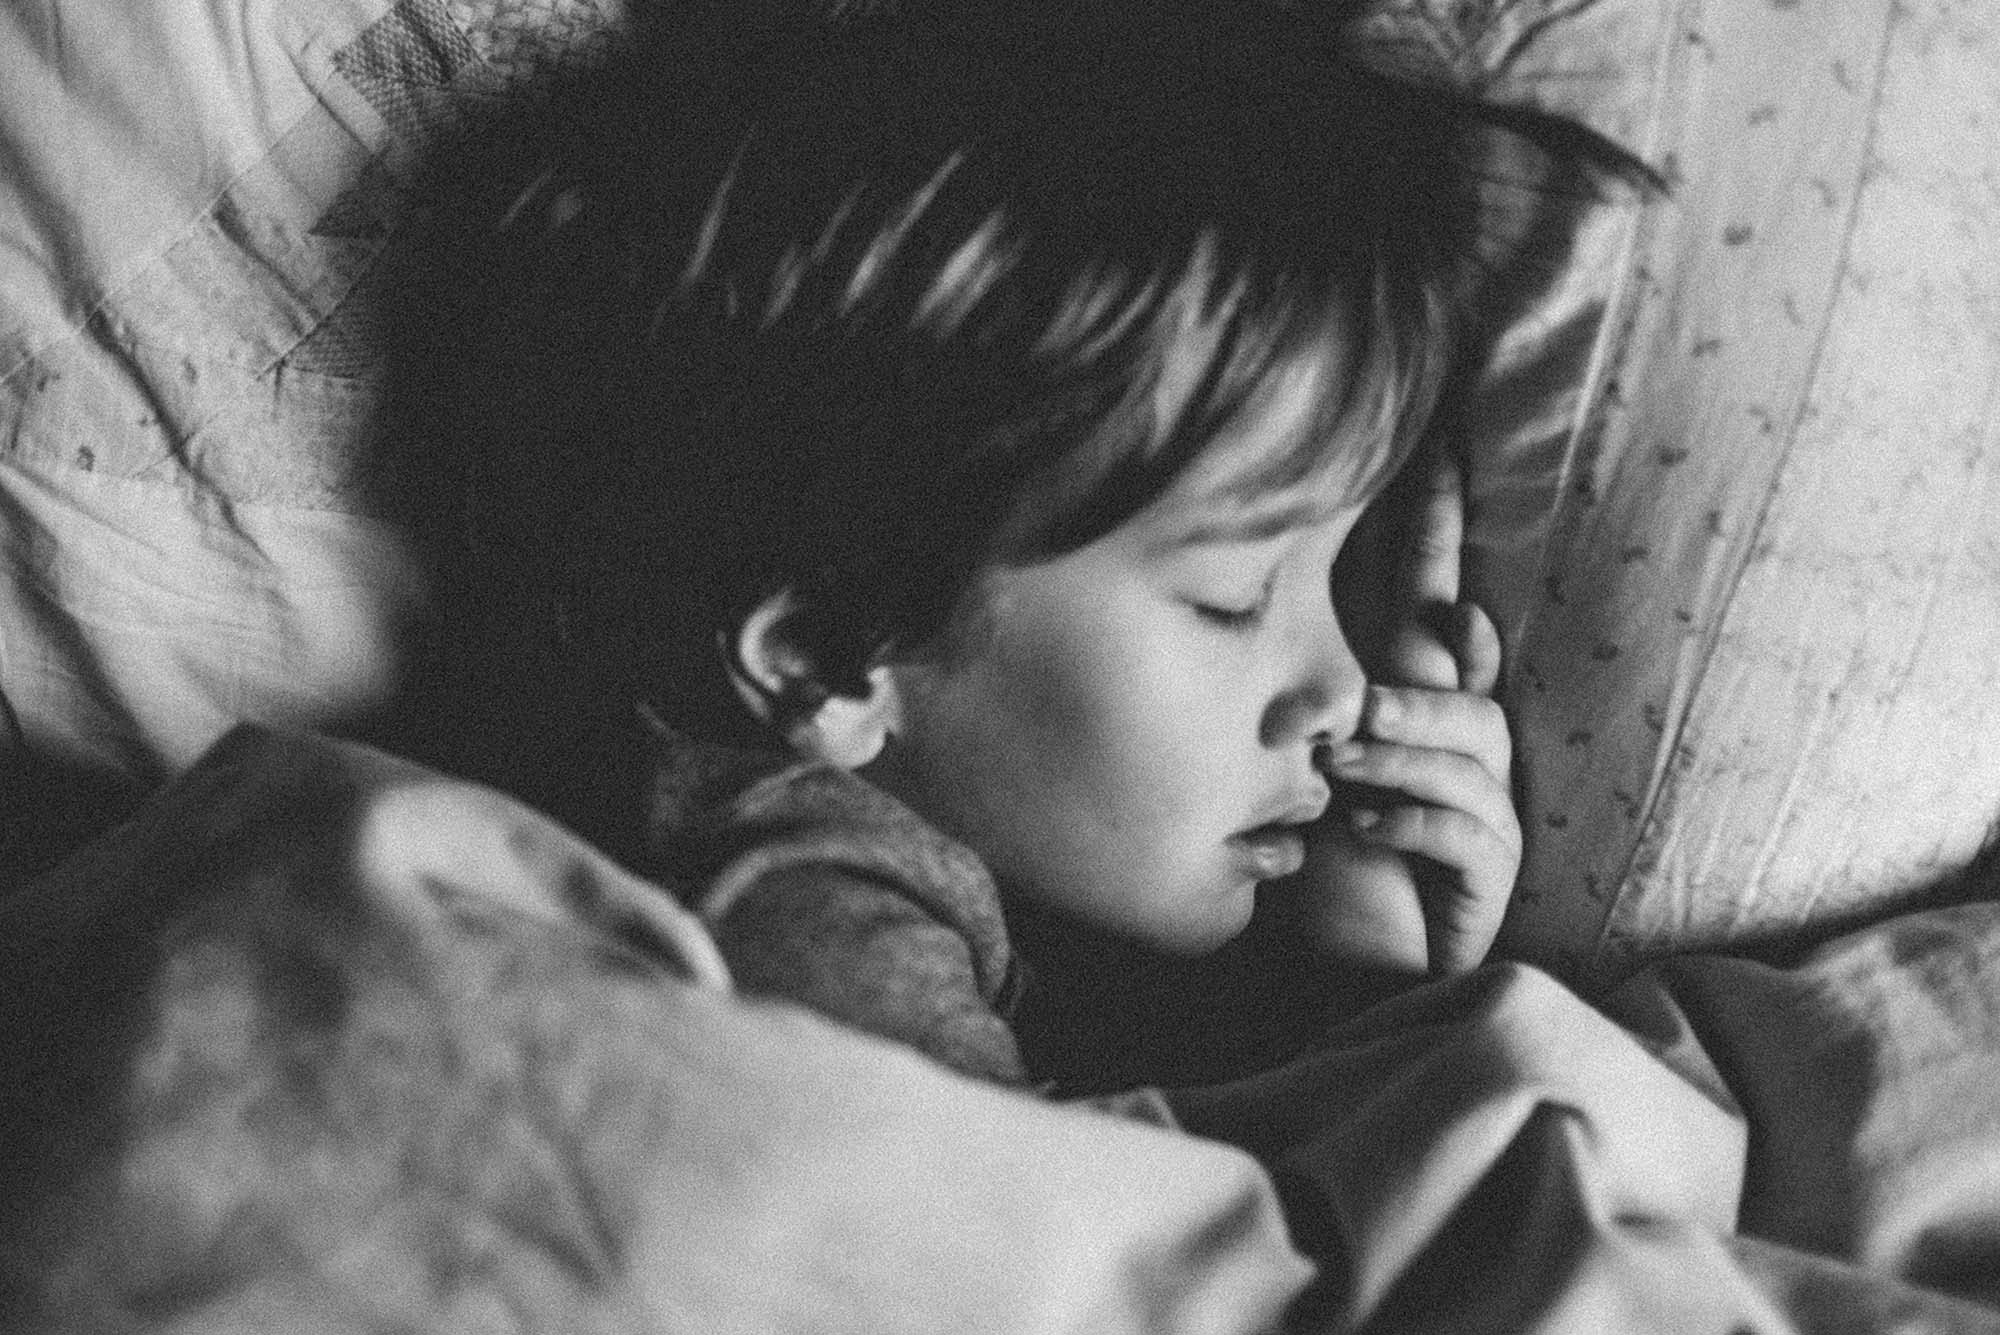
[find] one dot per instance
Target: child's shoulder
(821, 888)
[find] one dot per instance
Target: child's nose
(1323, 694)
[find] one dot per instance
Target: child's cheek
(1056, 658)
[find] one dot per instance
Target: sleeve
(324, 1041)
(824, 891)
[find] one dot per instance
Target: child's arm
(1423, 844)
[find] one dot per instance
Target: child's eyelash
(1234, 615)
(1237, 616)
(1234, 618)
(1230, 618)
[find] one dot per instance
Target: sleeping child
(903, 458)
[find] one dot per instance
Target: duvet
(323, 1041)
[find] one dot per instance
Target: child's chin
(1223, 920)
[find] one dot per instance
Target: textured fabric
(1735, 484)
(1492, 1154)
(321, 1041)
(171, 551)
(1868, 1075)
(821, 889)
(324, 1041)
(196, 205)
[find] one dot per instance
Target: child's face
(1125, 732)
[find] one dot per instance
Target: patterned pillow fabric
(1735, 484)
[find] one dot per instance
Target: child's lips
(1270, 851)
(1276, 845)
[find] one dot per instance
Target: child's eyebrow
(1252, 525)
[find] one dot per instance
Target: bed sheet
(357, 1044)
(325, 1042)
(1737, 545)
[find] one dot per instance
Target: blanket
(321, 1040)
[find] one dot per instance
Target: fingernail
(1382, 706)
(1341, 755)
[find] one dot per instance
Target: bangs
(1179, 355)
(887, 298)
(1052, 359)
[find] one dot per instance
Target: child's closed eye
(1229, 618)
(1227, 586)
(1233, 611)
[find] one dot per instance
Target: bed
(303, 1035)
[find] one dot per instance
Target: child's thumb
(1477, 649)
(1420, 652)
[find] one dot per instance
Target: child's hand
(1423, 844)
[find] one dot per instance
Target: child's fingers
(1439, 778)
(1446, 647)
(1421, 651)
(1441, 720)
(1420, 656)
(1463, 913)
(1437, 535)
(1478, 649)
(1463, 931)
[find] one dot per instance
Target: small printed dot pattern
(1749, 567)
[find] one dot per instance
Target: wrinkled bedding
(324, 1041)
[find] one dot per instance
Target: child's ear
(780, 684)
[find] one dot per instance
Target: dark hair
(814, 302)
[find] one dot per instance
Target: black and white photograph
(899, 667)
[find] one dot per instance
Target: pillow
(1734, 478)
(198, 198)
